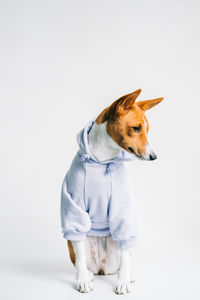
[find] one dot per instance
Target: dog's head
(128, 125)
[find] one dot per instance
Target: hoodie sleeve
(75, 221)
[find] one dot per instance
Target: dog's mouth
(130, 149)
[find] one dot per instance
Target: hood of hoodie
(84, 151)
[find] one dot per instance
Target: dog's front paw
(124, 283)
(123, 287)
(85, 282)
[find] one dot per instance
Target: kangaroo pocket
(99, 229)
(99, 225)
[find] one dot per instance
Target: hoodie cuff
(126, 244)
(74, 235)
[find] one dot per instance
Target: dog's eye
(137, 128)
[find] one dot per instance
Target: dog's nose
(152, 156)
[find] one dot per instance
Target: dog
(98, 216)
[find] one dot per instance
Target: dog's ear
(148, 104)
(103, 117)
(118, 107)
(126, 102)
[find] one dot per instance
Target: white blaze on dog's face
(128, 125)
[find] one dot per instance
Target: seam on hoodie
(84, 192)
(110, 200)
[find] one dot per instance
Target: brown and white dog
(122, 125)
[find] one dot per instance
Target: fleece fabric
(97, 198)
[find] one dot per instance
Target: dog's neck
(101, 145)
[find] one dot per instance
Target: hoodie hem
(124, 245)
(74, 236)
(98, 233)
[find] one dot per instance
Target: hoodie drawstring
(109, 166)
(85, 156)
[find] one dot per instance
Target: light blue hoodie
(96, 197)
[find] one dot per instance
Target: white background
(62, 62)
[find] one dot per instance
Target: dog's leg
(124, 277)
(85, 277)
